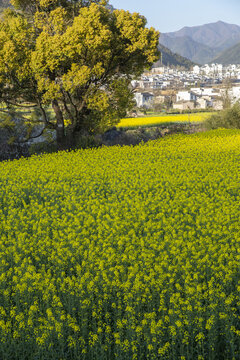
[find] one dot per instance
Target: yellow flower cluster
(123, 252)
(157, 120)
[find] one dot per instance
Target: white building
(144, 99)
(158, 70)
(219, 68)
(203, 103)
(205, 91)
(232, 93)
(135, 83)
(236, 93)
(206, 69)
(196, 70)
(186, 96)
(184, 105)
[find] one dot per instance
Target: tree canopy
(77, 57)
(46, 6)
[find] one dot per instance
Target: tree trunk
(61, 139)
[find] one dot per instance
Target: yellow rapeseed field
(157, 120)
(123, 252)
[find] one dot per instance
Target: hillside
(202, 43)
(4, 4)
(188, 48)
(229, 56)
(218, 35)
(173, 59)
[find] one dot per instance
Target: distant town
(204, 87)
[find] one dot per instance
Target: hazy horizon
(174, 14)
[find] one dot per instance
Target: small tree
(228, 118)
(77, 57)
(225, 95)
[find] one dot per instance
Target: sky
(172, 15)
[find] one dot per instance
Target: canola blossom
(158, 120)
(123, 252)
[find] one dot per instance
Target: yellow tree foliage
(80, 65)
(32, 6)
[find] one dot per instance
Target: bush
(189, 111)
(42, 148)
(228, 118)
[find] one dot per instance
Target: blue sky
(172, 15)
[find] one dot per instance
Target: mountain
(202, 43)
(171, 59)
(218, 35)
(229, 56)
(110, 7)
(4, 4)
(188, 48)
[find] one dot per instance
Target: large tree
(77, 57)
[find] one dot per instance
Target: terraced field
(123, 252)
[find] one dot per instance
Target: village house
(184, 105)
(199, 88)
(205, 91)
(203, 103)
(186, 96)
(159, 99)
(235, 93)
(144, 99)
(217, 104)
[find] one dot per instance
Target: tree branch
(19, 105)
(66, 107)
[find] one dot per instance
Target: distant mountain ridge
(4, 3)
(229, 56)
(188, 48)
(203, 43)
(168, 58)
(218, 35)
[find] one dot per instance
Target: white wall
(185, 96)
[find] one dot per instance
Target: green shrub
(228, 118)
